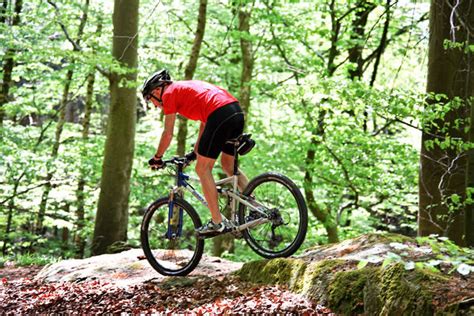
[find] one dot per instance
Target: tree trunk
(378, 56)
(112, 213)
(9, 57)
(227, 242)
(11, 208)
(6, 240)
(189, 73)
(79, 239)
(182, 135)
(3, 11)
(355, 52)
(198, 38)
(65, 231)
(469, 217)
(54, 152)
(443, 172)
(324, 216)
(357, 36)
(382, 43)
(247, 59)
(60, 124)
(335, 29)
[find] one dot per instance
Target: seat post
(236, 161)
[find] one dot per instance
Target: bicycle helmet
(158, 79)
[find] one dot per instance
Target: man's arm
(166, 136)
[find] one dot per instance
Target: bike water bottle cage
(246, 144)
(156, 80)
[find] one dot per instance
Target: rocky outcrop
(355, 277)
(124, 269)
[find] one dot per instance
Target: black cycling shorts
(223, 124)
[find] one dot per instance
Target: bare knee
(204, 167)
(201, 169)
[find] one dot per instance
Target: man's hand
(191, 156)
(156, 163)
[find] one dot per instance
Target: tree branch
(383, 43)
(387, 124)
(301, 40)
(346, 174)
(210, 58)
(75, 45)
(24, 191)
(461, 21)
(401, 31)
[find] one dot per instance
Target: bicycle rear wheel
(286, 208)
(168, 237)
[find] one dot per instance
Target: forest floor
(21, 293)
(125, 282)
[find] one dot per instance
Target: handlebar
(178, 161)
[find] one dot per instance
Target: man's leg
(204, 167)
(227, 162)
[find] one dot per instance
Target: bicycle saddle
(243, 143)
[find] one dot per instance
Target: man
(221, 119)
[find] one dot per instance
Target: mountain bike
(270, 214)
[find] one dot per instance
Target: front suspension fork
(175, 218)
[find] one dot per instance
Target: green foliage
(28, 259)
(433, 253)
(365, 165)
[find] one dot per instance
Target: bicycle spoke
(286, 212)
(169, 249)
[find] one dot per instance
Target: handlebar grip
(175, 161)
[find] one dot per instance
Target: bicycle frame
(183, 184)
(236, 197)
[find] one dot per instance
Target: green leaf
(386, 262)
(455, 198)
(362, 264)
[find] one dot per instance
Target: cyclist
(221, 119)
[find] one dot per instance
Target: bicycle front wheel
(168, 237)
(286, 209)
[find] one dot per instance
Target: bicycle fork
(175, 218)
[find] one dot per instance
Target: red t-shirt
(194, 99)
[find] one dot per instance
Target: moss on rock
(405, 292)
(386, 238)
(317, 278)
(339, 285)
(277, 271)
(347, 290)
